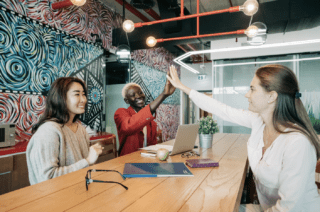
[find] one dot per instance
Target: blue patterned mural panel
(33, 55)
(93, 76)
(155, 81)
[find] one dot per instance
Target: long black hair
(289, 111)
(56, 102)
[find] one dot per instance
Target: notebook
(156, 170)
(185, 139)
(199, 163)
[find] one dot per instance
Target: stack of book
(199, 163)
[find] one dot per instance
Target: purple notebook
(199, 163)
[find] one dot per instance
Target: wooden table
(211, 189)
(13, 161)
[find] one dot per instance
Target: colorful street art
(33, 55)
(93, 17)
(38, 45)
(152, 82)
(155, 81)
(93, 76)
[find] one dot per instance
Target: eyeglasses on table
(189, 154)
(89, 180)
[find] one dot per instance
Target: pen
(147, 154)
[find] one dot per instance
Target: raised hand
(168, 88)
(175, 81)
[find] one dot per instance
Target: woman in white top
(283, 148)
(60, 144)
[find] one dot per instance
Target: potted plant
(207, 128)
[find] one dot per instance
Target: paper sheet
(158, 146)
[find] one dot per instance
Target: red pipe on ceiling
(182, 8)
(230, 10)
(198, 3)
(238, 32)
(134, 11)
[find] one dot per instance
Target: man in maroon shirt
(137, 120)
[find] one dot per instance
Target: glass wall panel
(232, 80)
(309, 81)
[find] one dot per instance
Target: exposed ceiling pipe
(230, 10)
(182, 8)
(237, 32)
(250, 7)
(198, 5)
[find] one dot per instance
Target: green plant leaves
(208, 126)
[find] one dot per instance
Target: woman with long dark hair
(60, 144)
(283, 148)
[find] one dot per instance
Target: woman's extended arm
(227, 113)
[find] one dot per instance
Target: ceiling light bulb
(250, 7)
(259, 36)
(78, 2)
(151, 41)
(251, 31)
(128, 26)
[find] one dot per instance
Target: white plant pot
(205, 140)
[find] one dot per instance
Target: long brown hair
(56, 102)
(289, 111)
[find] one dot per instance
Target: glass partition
(232, 80)
(309, 78)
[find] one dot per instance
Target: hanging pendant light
(250, 7)
(123, 53)
(260, 34)
(128, 26)
(151, 41)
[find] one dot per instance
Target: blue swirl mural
(33, 55)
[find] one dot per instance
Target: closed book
(199, 163)
(156, 170)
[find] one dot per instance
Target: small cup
(162, 154)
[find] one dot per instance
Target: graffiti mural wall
(150, 68)
(33, 55)
(38, 45)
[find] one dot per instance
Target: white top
(285, 175)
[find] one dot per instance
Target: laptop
(185, 139)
